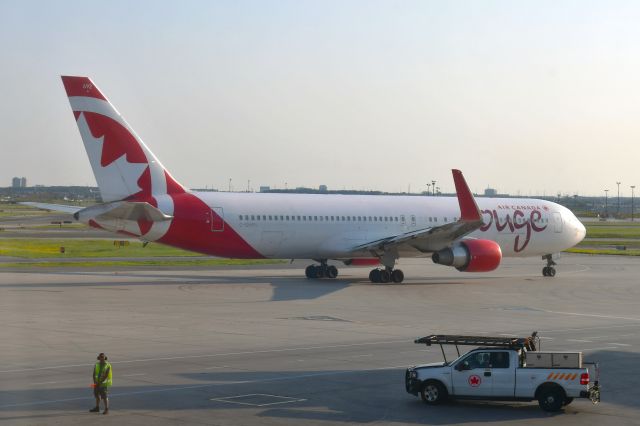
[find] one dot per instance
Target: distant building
(323, 188)
(490, 192)
(17, 182)
(265, 188)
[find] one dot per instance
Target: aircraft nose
(581, 231)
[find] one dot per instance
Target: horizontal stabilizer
(52, 207)
(122, 210)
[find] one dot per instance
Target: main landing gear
(386, 275)
(549, 270)
(321, 271)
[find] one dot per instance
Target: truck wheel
(433, 393)
(551, 399)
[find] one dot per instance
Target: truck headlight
(413, 374)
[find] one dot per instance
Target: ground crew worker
(102, 380)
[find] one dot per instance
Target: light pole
(229, 184)
(632, 188)
(606, 198)
(428, 189)
(433, 182)
(618, 183)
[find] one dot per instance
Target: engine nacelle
(470, 256)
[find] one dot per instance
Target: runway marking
(210, 385)
(136, 374)
(603, 327)
(592, 315)
(598, 349)
(579, 341)
(287, 399)
(266, 351)
(620, 344)
(216, 367)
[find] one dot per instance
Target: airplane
(141, 199)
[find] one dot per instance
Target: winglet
(468, 208)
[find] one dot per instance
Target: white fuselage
(329, 226)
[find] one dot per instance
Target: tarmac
(263, 345)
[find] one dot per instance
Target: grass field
(605, 237)
(121, 263)
(33, 248)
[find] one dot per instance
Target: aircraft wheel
(385, 276)
(545, 271)
(374, 276)
(551, 272)
(332, 272)
(321, 271)
(397, 276)
(310, 272)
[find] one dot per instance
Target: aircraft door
(557, 222)
(216, 218)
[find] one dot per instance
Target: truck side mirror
(461, 366)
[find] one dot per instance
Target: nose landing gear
(549, 270)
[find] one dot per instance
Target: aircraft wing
(53, 207)
(437, 237)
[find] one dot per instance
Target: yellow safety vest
(99, 372)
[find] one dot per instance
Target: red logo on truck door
(474, 381)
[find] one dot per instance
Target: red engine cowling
(470, 256)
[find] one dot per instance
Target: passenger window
(478, 360)
(258, 217)
(499, 360)
(315, 218)
(270, 217)
(281, 217)
(304, 218)
(287, 217)
(264, 217)
(253, 217)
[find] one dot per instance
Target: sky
(528, 97)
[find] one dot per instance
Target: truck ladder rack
(452, 339)
(528, 343)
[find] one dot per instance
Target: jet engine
(470, 256)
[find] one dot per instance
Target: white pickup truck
(505, 369)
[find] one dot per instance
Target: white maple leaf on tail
(119, 179)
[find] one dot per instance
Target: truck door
(471, 376)
(503, 373)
